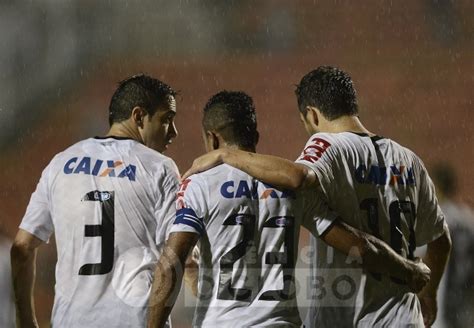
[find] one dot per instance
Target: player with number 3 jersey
(110, 203)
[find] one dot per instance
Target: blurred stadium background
(411, 61)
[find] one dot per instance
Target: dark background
(411, 63)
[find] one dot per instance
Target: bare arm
(23, 262)
(273, 170)
(191, 273)
(437, 255)
(168, 277)
(376, 255)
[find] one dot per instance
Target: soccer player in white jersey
(248, 234)
(373, 183)
(110, 203)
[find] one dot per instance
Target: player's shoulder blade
(404, 154)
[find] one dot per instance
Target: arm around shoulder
(277, 171)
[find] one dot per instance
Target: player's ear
(215, 141)
(138, 116)
(212, 141)
(312, 116)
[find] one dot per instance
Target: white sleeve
(430, 219)
(318, 217)
(319, 156)
(165, 209)
(37, 219)
(191, 207)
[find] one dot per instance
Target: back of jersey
(109, 202)
(249, 238)
(382, 188)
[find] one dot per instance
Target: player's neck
(345, 124)
(231, 146)
(124, 130)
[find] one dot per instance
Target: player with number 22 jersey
(248, 245)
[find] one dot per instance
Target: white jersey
(249, 241)
(382, 188)
(110, 203)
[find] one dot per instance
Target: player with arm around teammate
(248, 234)
(373, 183)
(109, 201)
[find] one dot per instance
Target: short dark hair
(330, 90)
(138, 90)
(444, 177)
(232, 114)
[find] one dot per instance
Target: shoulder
(167, 170)
(325, 140)
(319, 145)
(160, 163)
(210, 175)
(218, 175)
(403, 148)
(68, 153)
(322, 136)
(220, 171)
(410, 155)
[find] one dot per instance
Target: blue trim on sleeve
(188, 217)
(187, 211)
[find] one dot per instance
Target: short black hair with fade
(329, 89)
(232, 114)
(138, 90)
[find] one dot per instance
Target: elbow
(445, 241)
(20, 251)
(299, 178)
(24, 246)
(170, 268)
(164, 283)
(294, 185)
(441, 247)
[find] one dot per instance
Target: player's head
(445, 180)
(148, 107)
(325, 94)
(229, 120)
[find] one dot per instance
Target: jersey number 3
(105, 231)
